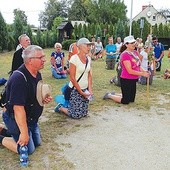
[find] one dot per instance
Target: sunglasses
(131, 43)
(155, 41)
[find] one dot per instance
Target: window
(154, 18)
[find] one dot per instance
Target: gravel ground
(119, 139)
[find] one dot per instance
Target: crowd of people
(26, 93)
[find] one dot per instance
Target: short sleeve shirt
(158, 48)
(20, 93)
(135, 64)
(58, 58)
(80, 67)
(111, 48)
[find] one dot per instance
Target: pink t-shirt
(135, 64)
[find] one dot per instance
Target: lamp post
(141, 26)
(130, 31)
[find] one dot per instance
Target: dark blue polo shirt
(22, 92)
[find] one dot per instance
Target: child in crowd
(147, 63)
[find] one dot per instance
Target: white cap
(84, 41)
(129, 39)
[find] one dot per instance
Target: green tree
(39, 38)
(3, 34)
(166, 31)
(85, 30)
(78, 11)
(146, 30)
(106, 11)
(98, 32)
(79, 30)
(11, 42)
(75, 31)
(47, 38)
(136, 32)
(120, 29)
(161, 30)
(53, 9)
(21, 14)
(28, 31)
(57, 21)
(93, 32)
(82, 33)
(18, 29)
(155, 30)
(126, 30)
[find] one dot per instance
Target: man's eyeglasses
(155, 41)
(40, 58)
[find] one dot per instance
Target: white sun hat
(129, 39)
(43, 91)
(84, 41)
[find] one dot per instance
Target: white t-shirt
(118, 45)
(80, 67)
(144, 62)
(98, 46)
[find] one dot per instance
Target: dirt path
(119, 139)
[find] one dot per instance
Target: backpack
(2, 81)
(3, 101)
(3, 98)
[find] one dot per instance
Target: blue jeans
(33, 131)
(56, 75)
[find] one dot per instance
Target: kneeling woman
(80, 64)
(57, 62)
(131, 70)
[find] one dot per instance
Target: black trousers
(128, 87)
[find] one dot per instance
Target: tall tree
(120, 29)
(28, 31)
(106, 11)
(53, 9)
(98, 32)
(161, 30)
(166, 31)
(57, 21)
(78, 11)
(21, 14)
(136, 32)
(155, 30)
(18, 28)
(3, 34)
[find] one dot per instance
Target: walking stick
(147, 89)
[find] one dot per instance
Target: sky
(33, 8)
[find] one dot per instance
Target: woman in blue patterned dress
(57, 62)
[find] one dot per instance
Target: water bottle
(90, 97)
(23, 155)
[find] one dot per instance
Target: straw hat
(43, 91)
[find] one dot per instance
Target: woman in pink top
(131, 70)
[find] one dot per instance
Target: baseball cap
(129, 39)
(84, 41)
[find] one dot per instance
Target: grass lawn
(52, 124)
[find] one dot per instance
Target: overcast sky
(33, 8)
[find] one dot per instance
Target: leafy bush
(66, 44)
